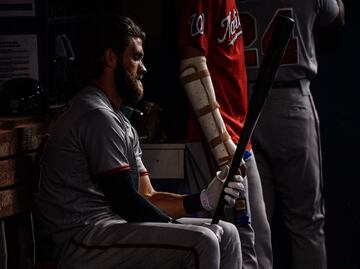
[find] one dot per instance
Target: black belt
(286, 84)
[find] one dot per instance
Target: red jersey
(215, 28)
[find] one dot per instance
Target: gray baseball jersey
(89, 138)
(299, 61)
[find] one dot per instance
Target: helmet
(21, 96)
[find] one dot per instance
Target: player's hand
(216, 229)
(210, 196)
(242, 168)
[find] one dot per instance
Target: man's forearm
(170, 203)
(127, 202)
(197, 83)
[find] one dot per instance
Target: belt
(286, 84)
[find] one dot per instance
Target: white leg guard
(196, 80)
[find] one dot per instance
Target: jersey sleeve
(104, 143)
(138, 153)
(194, 20)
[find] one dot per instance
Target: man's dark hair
(109, 31)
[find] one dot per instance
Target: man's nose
(142, 68)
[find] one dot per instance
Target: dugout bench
(20, 137)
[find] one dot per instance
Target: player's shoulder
(91, 98)
(91, 104)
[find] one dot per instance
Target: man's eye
(137, 57)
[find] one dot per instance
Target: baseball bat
(265, 79)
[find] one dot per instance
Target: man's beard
(128, 87)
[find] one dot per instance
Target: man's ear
(110, 58)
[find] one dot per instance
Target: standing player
(287, 139)
(95, 198)
(213, 74)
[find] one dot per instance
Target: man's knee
(230, 231)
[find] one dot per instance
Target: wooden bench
(19, 140)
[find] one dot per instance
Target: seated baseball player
(95, 199)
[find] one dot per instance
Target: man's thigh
(110, 244)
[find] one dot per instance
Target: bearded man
(95, 199)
